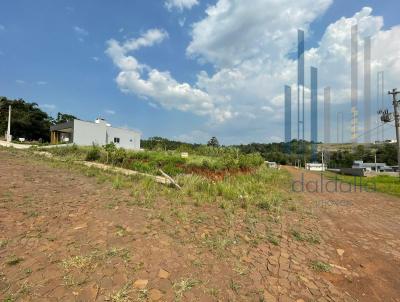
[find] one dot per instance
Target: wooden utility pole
(394, 93)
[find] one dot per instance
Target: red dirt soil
(66, 237)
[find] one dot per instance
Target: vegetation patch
(320, 266)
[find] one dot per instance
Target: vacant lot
(69, 234)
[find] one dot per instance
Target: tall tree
(213, 142)
(64, 117)
(27, 120)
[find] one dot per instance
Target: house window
(116, 140)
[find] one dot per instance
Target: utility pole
(394, 93)
(8, 138)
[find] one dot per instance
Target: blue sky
(54, 53)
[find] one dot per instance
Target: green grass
(381, 183)
(320, 266)
(309, 237)
(151, 161)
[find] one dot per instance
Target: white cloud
(252, 63)
(48, 106)
(96, 59)
(109, 111)
(250, 48)
(180, 4)
(20, 82)
(2, 27)
(234, 31)
(41, 83)
(81, 31)
(160, 86)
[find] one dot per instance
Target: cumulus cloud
(252, 56)
(180, 4)
(234, 31)
(160, 86)
(2, 27)
(250, 48)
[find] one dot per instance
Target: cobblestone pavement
(65, 236)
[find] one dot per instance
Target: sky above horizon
(192, 69)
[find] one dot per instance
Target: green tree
(27, 120)
(213, 142)
(63, 117)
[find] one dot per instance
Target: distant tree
(213, 142)
(63, 117)
(27, 120)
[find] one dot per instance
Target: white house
(84, 133)
(315, 166)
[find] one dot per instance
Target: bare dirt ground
(66, 237)
(366, 226)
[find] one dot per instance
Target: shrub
(93, 154)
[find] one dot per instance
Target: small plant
(273, 239)
(320, 266)
(3, 243)
(14, 260)
(234, 286)
(93, 154)
(184, 285)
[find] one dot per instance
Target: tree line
(28, 120)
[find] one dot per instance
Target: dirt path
(366, 225)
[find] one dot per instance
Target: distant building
(377, 167)
(316, 167)
(271, 164)
(84, 133)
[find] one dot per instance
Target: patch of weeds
(183, 286)
(79, 262)
(197, 263)
(218, 243)
(121, 295)
(3, 243)
(119, 252)
(241, 270)
(273, 239)
(31, 214)
(213, 292)
(28, 271)
(234, 286)
(9, 298)
(320, 266)
(14, 260)
(117, 183)
(310, 238)
(200, 218)
(121, 231)
(180, 214)
(296, 235)
(111, 205)
(143, 295)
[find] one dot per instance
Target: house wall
(128, 139)
(87, 133)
